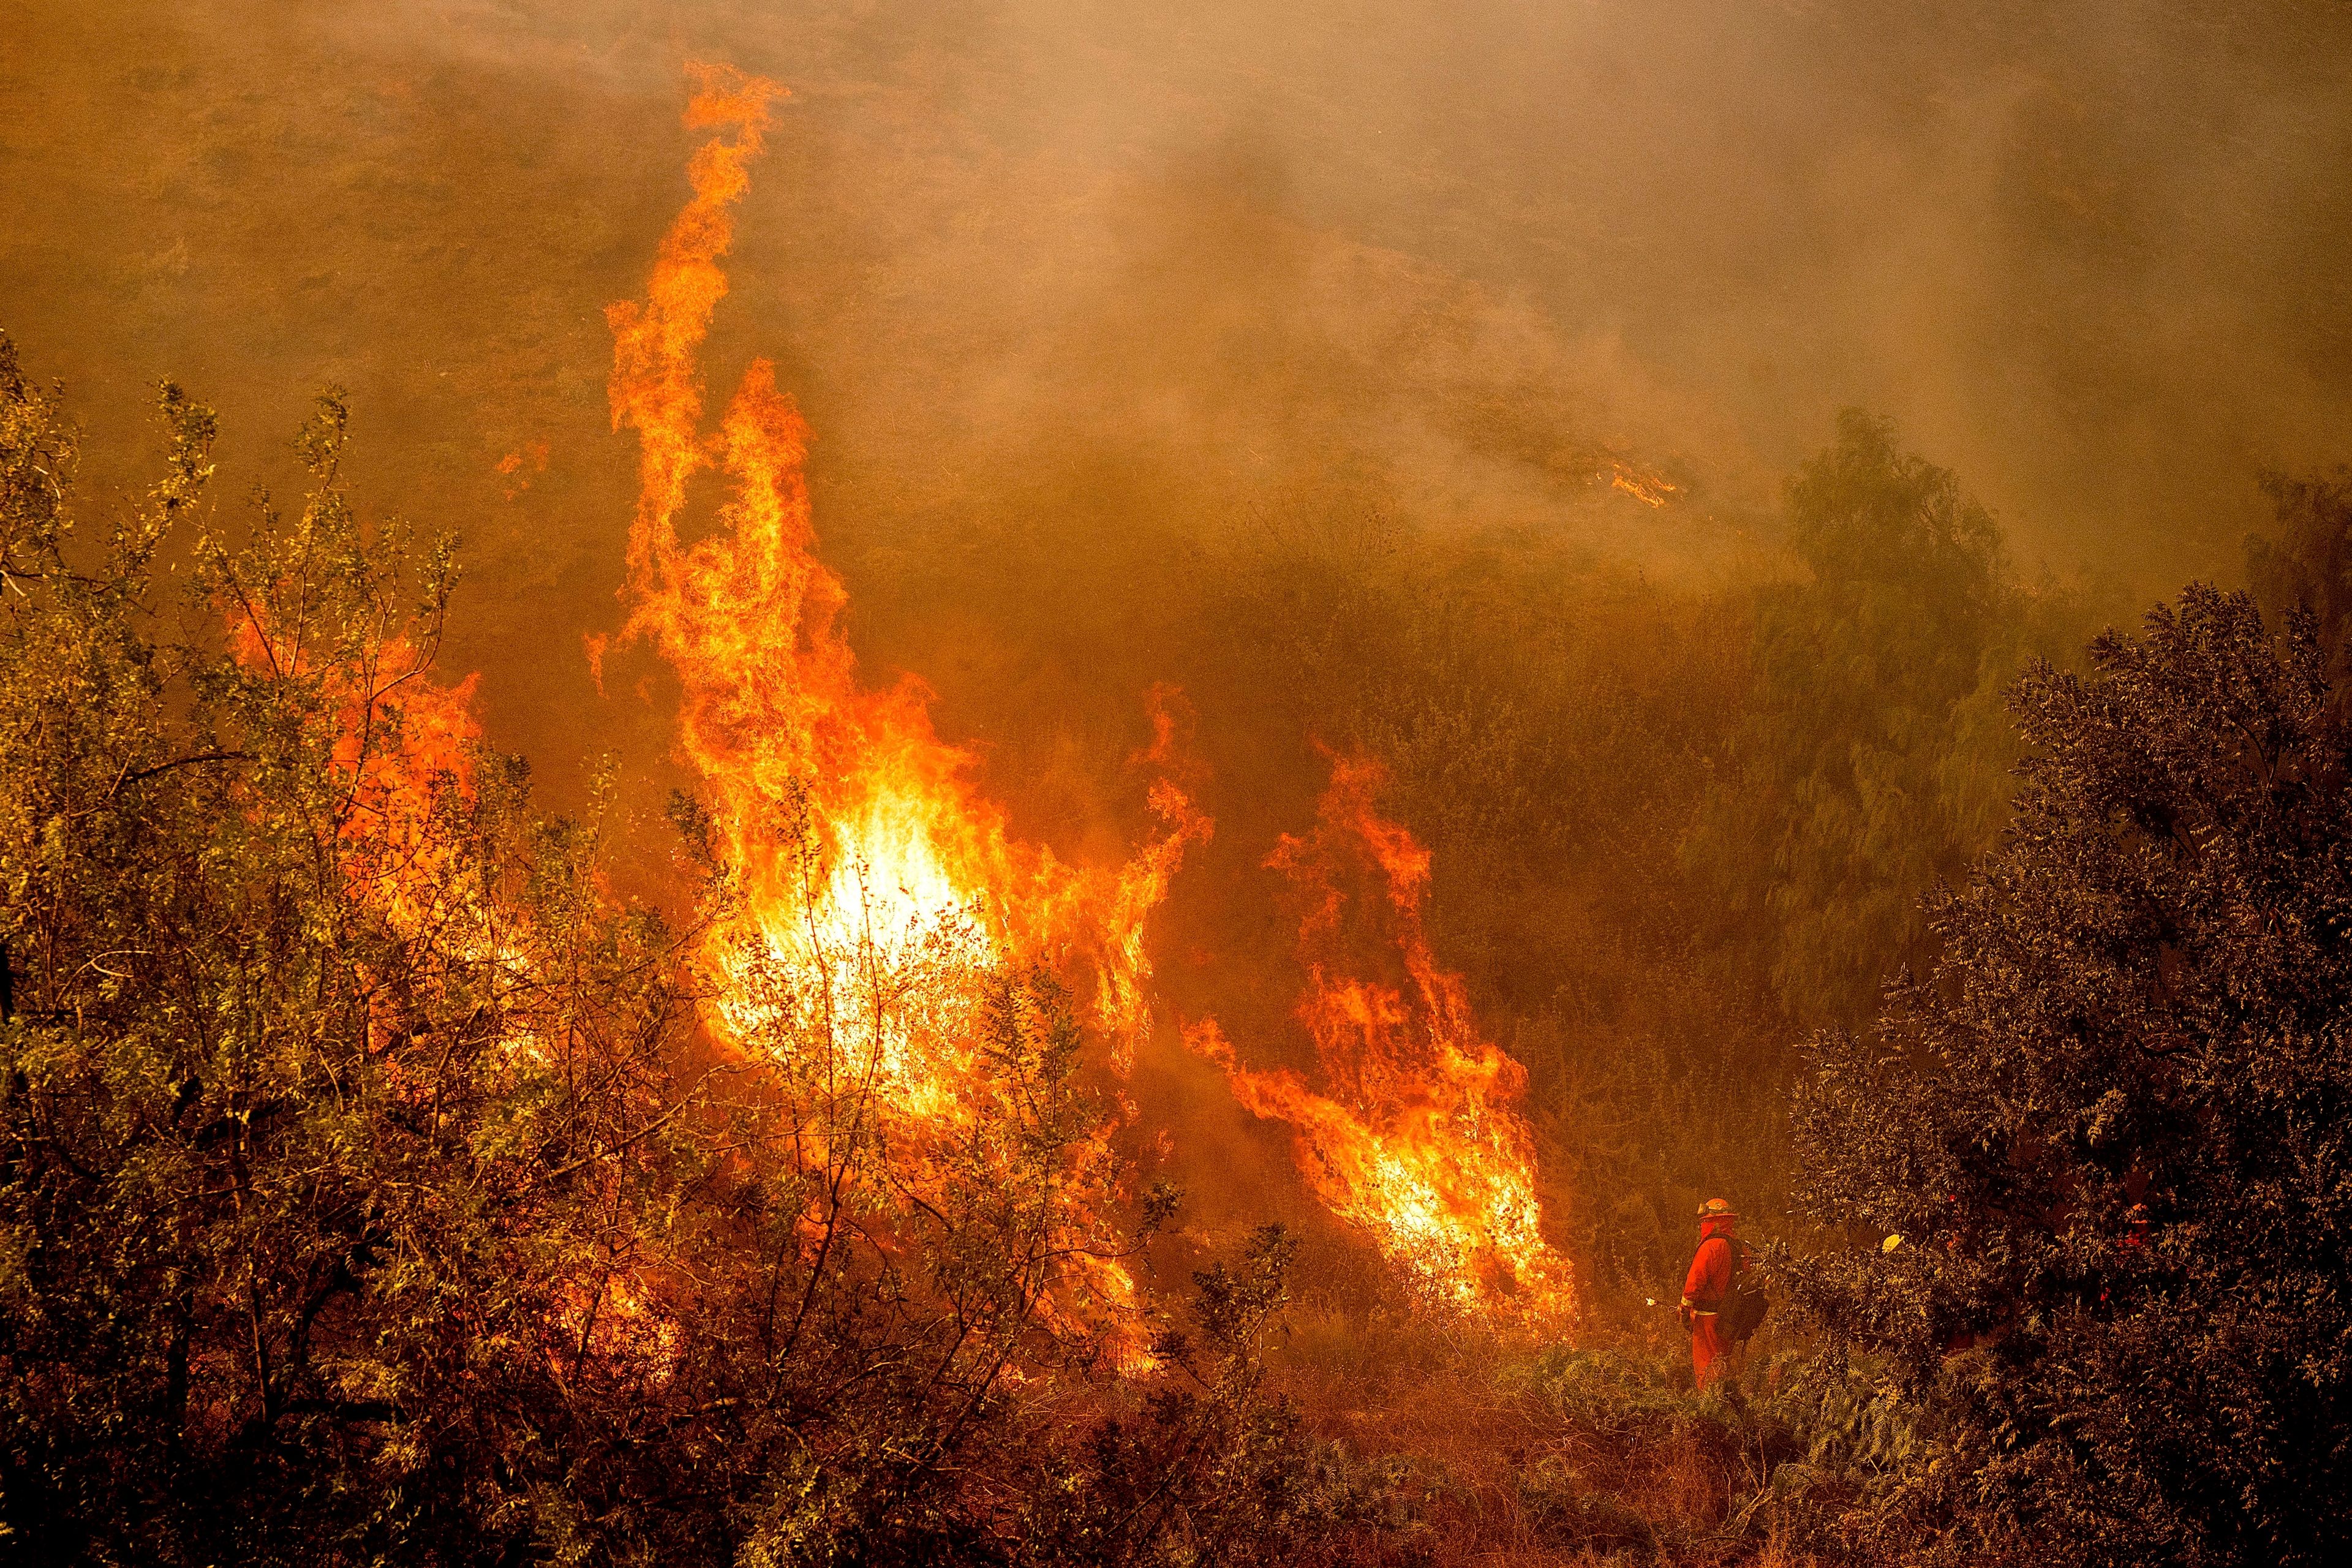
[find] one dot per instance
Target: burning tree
(368, 1190)
(873, 895)
(317, 1043)
(376, 1184)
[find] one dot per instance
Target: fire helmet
(1717, 1208)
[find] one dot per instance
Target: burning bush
(368, 1190)
(1419, 1143)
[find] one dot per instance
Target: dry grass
(1515, 1455)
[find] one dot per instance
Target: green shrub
(2094, 1166)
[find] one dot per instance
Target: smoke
(1035, 267)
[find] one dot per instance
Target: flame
(399, 738)
(519, 466)
(612, 1325)
(1644, 485)
(393, 789)
(869, 870)
(1417, 1142)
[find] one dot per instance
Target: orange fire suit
(1704, 1290)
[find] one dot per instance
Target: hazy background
(1161, 261)
(1110, 317)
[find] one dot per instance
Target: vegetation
(1673, 827)
(2309, 566)
(1872, 759)
(2107, 1141)
(363, 1198)
(369, 1193)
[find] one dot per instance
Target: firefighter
(1707, 1287)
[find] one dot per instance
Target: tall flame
(918, 887)
(1417, 1142)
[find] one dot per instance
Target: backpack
(1744, 1305)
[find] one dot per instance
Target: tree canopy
(1872, 759)
(2099, 1158)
